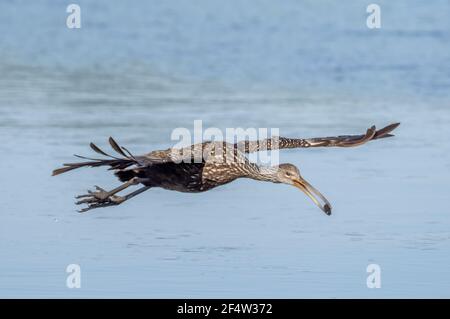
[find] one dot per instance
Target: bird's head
(289, 174)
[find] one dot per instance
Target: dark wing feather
(116, 147)
(115, 163)
(352, 140)
(98, 150)
(128, 152)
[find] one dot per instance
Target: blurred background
(137, 70)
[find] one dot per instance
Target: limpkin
(203, 166)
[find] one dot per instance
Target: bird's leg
(121, 199)
(102, 195)
(113, 200)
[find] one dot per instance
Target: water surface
(309, 69)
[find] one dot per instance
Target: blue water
(311, 68)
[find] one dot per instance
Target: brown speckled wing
(336, 141)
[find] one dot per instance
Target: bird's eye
(287, 174)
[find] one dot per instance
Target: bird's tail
(115, 162)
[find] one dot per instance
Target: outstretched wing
(338, 141)
(125, 161)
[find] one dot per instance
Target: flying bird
(203, 166)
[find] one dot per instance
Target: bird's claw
(99, 195)
(97, 199)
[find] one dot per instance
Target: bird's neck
(265, 173)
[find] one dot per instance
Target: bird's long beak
(313, 193)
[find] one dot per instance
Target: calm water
(310, 69)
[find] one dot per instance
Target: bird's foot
(98, 199)
(100, 194)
